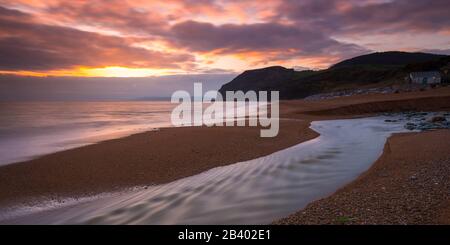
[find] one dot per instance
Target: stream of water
(252, 192)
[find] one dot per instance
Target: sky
(137, 38)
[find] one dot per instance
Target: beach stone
(427, 127)
(410, 126)
(438, 119)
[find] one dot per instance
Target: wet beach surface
(253, 192)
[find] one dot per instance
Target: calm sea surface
(30, 129)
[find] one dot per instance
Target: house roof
(426, 74)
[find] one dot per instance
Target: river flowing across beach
(252, 192)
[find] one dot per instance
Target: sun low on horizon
(157, 38)
(109, 71)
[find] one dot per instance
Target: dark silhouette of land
(373, 70)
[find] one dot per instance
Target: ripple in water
(252, 192)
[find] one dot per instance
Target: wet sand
(408, 184)
(170, 154)
(141, 159)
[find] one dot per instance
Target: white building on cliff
(430, 77)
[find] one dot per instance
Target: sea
(33, 129)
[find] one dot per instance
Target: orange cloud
(141, 37)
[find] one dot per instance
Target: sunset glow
(115, 71)
(138, 38)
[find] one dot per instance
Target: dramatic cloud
(28, 46)
(374, 16)
(204, 36)
(286, 41)
(111, 15)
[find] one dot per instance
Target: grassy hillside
(393, 58)
(367, 70)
